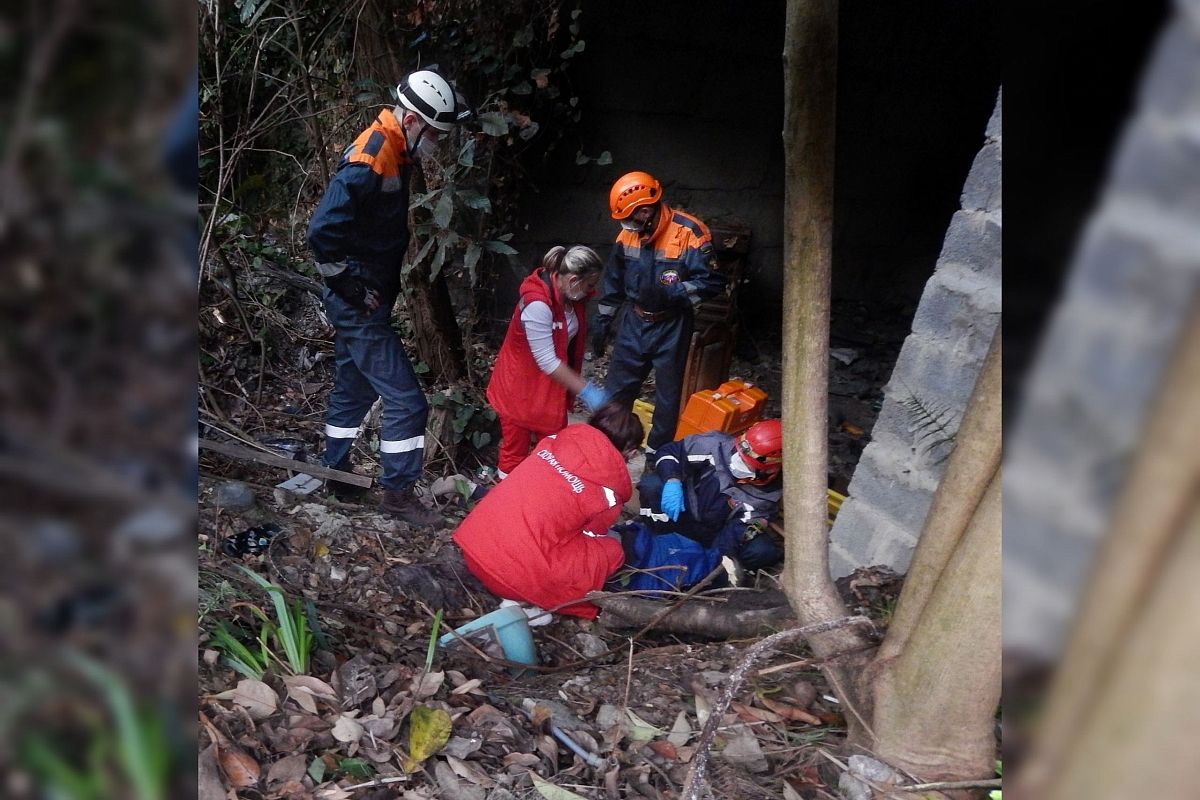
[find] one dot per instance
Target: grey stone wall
(1131, 283)
(899, 471)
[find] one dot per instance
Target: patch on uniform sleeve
(709, 255)
(668, 277)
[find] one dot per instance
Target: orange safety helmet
(761, 447)
(633, 189)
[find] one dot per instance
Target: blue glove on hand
(593, 396)
(672, 499)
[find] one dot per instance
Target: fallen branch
(729, 620)
(273, 460)
(695, 782)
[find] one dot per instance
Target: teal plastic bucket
(509, 626)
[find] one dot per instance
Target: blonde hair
(579, 260)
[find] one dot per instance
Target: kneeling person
(541, 536)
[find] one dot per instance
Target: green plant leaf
(472, 198)
(522, 88)
(291, 630)
(433, 639)
(493, 123)
(420, 256)
(356, 767)
(474, 251)
(466, 156)
(429, 730)
(316, 770)
(443, 211)
(498, 247)
(551, 792)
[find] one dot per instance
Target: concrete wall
(899, 471)
(1134, 276)
(693, 92)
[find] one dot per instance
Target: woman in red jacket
(541, 536)
(536, 376)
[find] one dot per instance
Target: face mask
(425, 147)
(630, 225)
(738, 467)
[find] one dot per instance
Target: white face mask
(738, 467)
(630, 225)
(425, 147)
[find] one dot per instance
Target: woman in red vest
(536, 377)
(541, 537)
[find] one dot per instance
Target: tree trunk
(1126, 638)
(975, 458)
(810, 64)
(435, 328)
(934, 703)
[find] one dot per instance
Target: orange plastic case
(730, 408)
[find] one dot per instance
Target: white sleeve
(539, 332)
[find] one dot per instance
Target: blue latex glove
(593, 396)
(672, 499)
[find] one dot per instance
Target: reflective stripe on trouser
(641, 346)
(370, 362)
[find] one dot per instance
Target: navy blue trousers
(640, 346)
(369, 363)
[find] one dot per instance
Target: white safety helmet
(430, 96)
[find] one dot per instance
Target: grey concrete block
(981, 192)
(854, 528)
(1171, 82)
(890, 493)
(961, 312)
(891, 428)
(973, 238)
(935, 372)
(1129, 275)
(893, 552)
(1160, 159)
(994, 123)
(841, 562)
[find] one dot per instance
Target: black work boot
(345, 492)
(403, 503)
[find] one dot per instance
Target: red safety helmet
(761, 447)
(633, 189)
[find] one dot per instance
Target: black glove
(600, 335)
(653, 296)
(354, 290)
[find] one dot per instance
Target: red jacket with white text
(540, 535)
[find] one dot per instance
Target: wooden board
(272, 460)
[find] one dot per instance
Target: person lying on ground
(717, 490)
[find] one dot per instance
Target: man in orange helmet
(720, 490)
(661, 267)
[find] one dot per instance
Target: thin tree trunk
(1144, 540)
(974, 460)
(1144, 721)
(810, 71)
(435, 327)
(934, 703)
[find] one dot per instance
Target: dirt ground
(369, 720)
